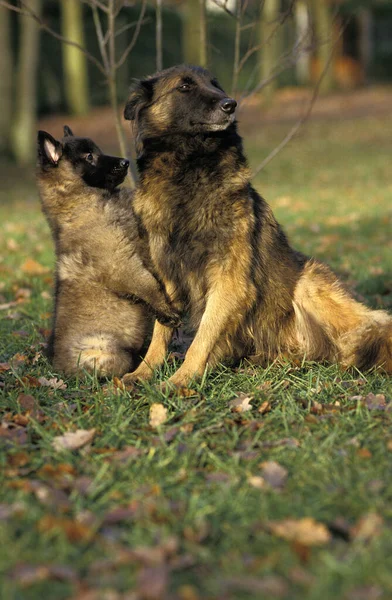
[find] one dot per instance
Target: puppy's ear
(49, 149)
(67, 131)
(141, 94)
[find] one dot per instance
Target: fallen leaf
(152, 582)
(158, 414)
(375, 402)
(27, 402)
(306, 531)
(72, 440)
(270, 585)
(18, 360)
(274, 474)
(256, 481)
(218, 477)
(364, 453)
(241, 403)
(368, 527)
(389, 445)
(264, 408)
(50, 497)
(54, 383)
(367, 592)
(127, 453)
(4, 366)
(75, 531)
(32, 267)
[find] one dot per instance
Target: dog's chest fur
(192, 211)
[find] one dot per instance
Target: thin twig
(135, 36)
(237, 49)
(29, 13)
(100, 38)
(158, 35)
(97, 4)
(304, 117)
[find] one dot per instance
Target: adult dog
(99, 269)
(217, 247)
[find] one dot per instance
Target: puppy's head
(180, 100)
(81, 158)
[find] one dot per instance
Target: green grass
(332, 191)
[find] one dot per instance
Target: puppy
(99, 267)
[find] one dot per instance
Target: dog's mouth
(214, 125)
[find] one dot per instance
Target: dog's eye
(89, 157)
(184, 87)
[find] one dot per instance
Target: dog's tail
(331, 325)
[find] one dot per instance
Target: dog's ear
(67, 131)
(140, 94)
(49, 149)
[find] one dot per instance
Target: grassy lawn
(289, 499)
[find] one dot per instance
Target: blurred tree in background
(89, 51)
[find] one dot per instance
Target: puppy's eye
(89, 157)
(184, 87)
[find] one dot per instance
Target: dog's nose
(228, 105)
(124, 163)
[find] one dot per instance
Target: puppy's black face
(182, 99)
(86, 159)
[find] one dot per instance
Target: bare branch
(97, 4)
(135, 36)
(29, 13)
(237, 49)
(223, 5)
(100, 38)
(306, 114)
(158, 35)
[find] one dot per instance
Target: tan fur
(223, 257)
(97, 326)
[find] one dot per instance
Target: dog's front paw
(142, 373)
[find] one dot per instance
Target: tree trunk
(324, 34)
(269, 38)
(23, 133)
(6, 70)
(194, 38)
(74, 61)
(303, 32)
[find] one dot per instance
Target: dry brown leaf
(368, 527)
(32, 267)
(241, 403)
(264, 408)
(53, 382)
(152, 582)
(75, 531)
(306, 531)
(72, 440)
(4, 366)
(375, 402)
(158, 414)
(256, 481)
(364, 453)
(274, 474)
(389, 445)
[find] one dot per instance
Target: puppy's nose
(228, 105)
(124, 163)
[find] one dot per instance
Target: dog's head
(82, 157)
(179, 100)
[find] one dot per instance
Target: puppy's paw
(172, 319)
